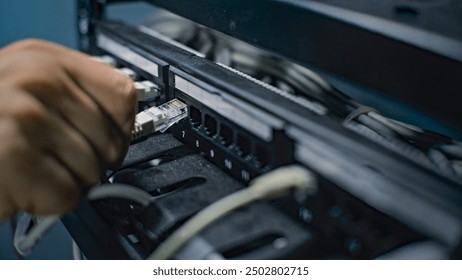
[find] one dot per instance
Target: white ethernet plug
(159, 118)
(146, 90)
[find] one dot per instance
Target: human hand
(64, 118)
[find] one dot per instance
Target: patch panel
(195, 116)
(210, 125)
(226, 135)
(223, 142)
(243, 145)
(217, 138)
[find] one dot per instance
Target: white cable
(26, 241)
(158, 118)
(270, 185)
(361, 110)
(400, 127)
(76, 253)
(120, 191)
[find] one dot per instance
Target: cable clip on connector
(159, 118)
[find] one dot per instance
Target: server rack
(239, 128)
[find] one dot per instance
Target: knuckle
(124, 88)
(121, 84)
(115, 152)
(107, 147)
(131, 95)
(32, 45)
(129, 109)
(17, 146)
(124, 100)
(19, 149)
(30, 111)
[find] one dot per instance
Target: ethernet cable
(25, 239)
(76, 252)
(114, 191)
(120, 191)
(158, 118)
(270, 185)
(146, 90)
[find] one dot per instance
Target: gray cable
(120, 191)
(25, 240)
(271, 185)
(76, 253)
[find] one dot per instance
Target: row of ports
(228, 137)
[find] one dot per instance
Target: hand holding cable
(63, 119)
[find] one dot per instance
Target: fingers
(113, 98)
(98, 101)
(112, 90)
(38, 183)
(63, 119)
(53, 191)
(82, 114)
(48, 133)
(64, 143)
